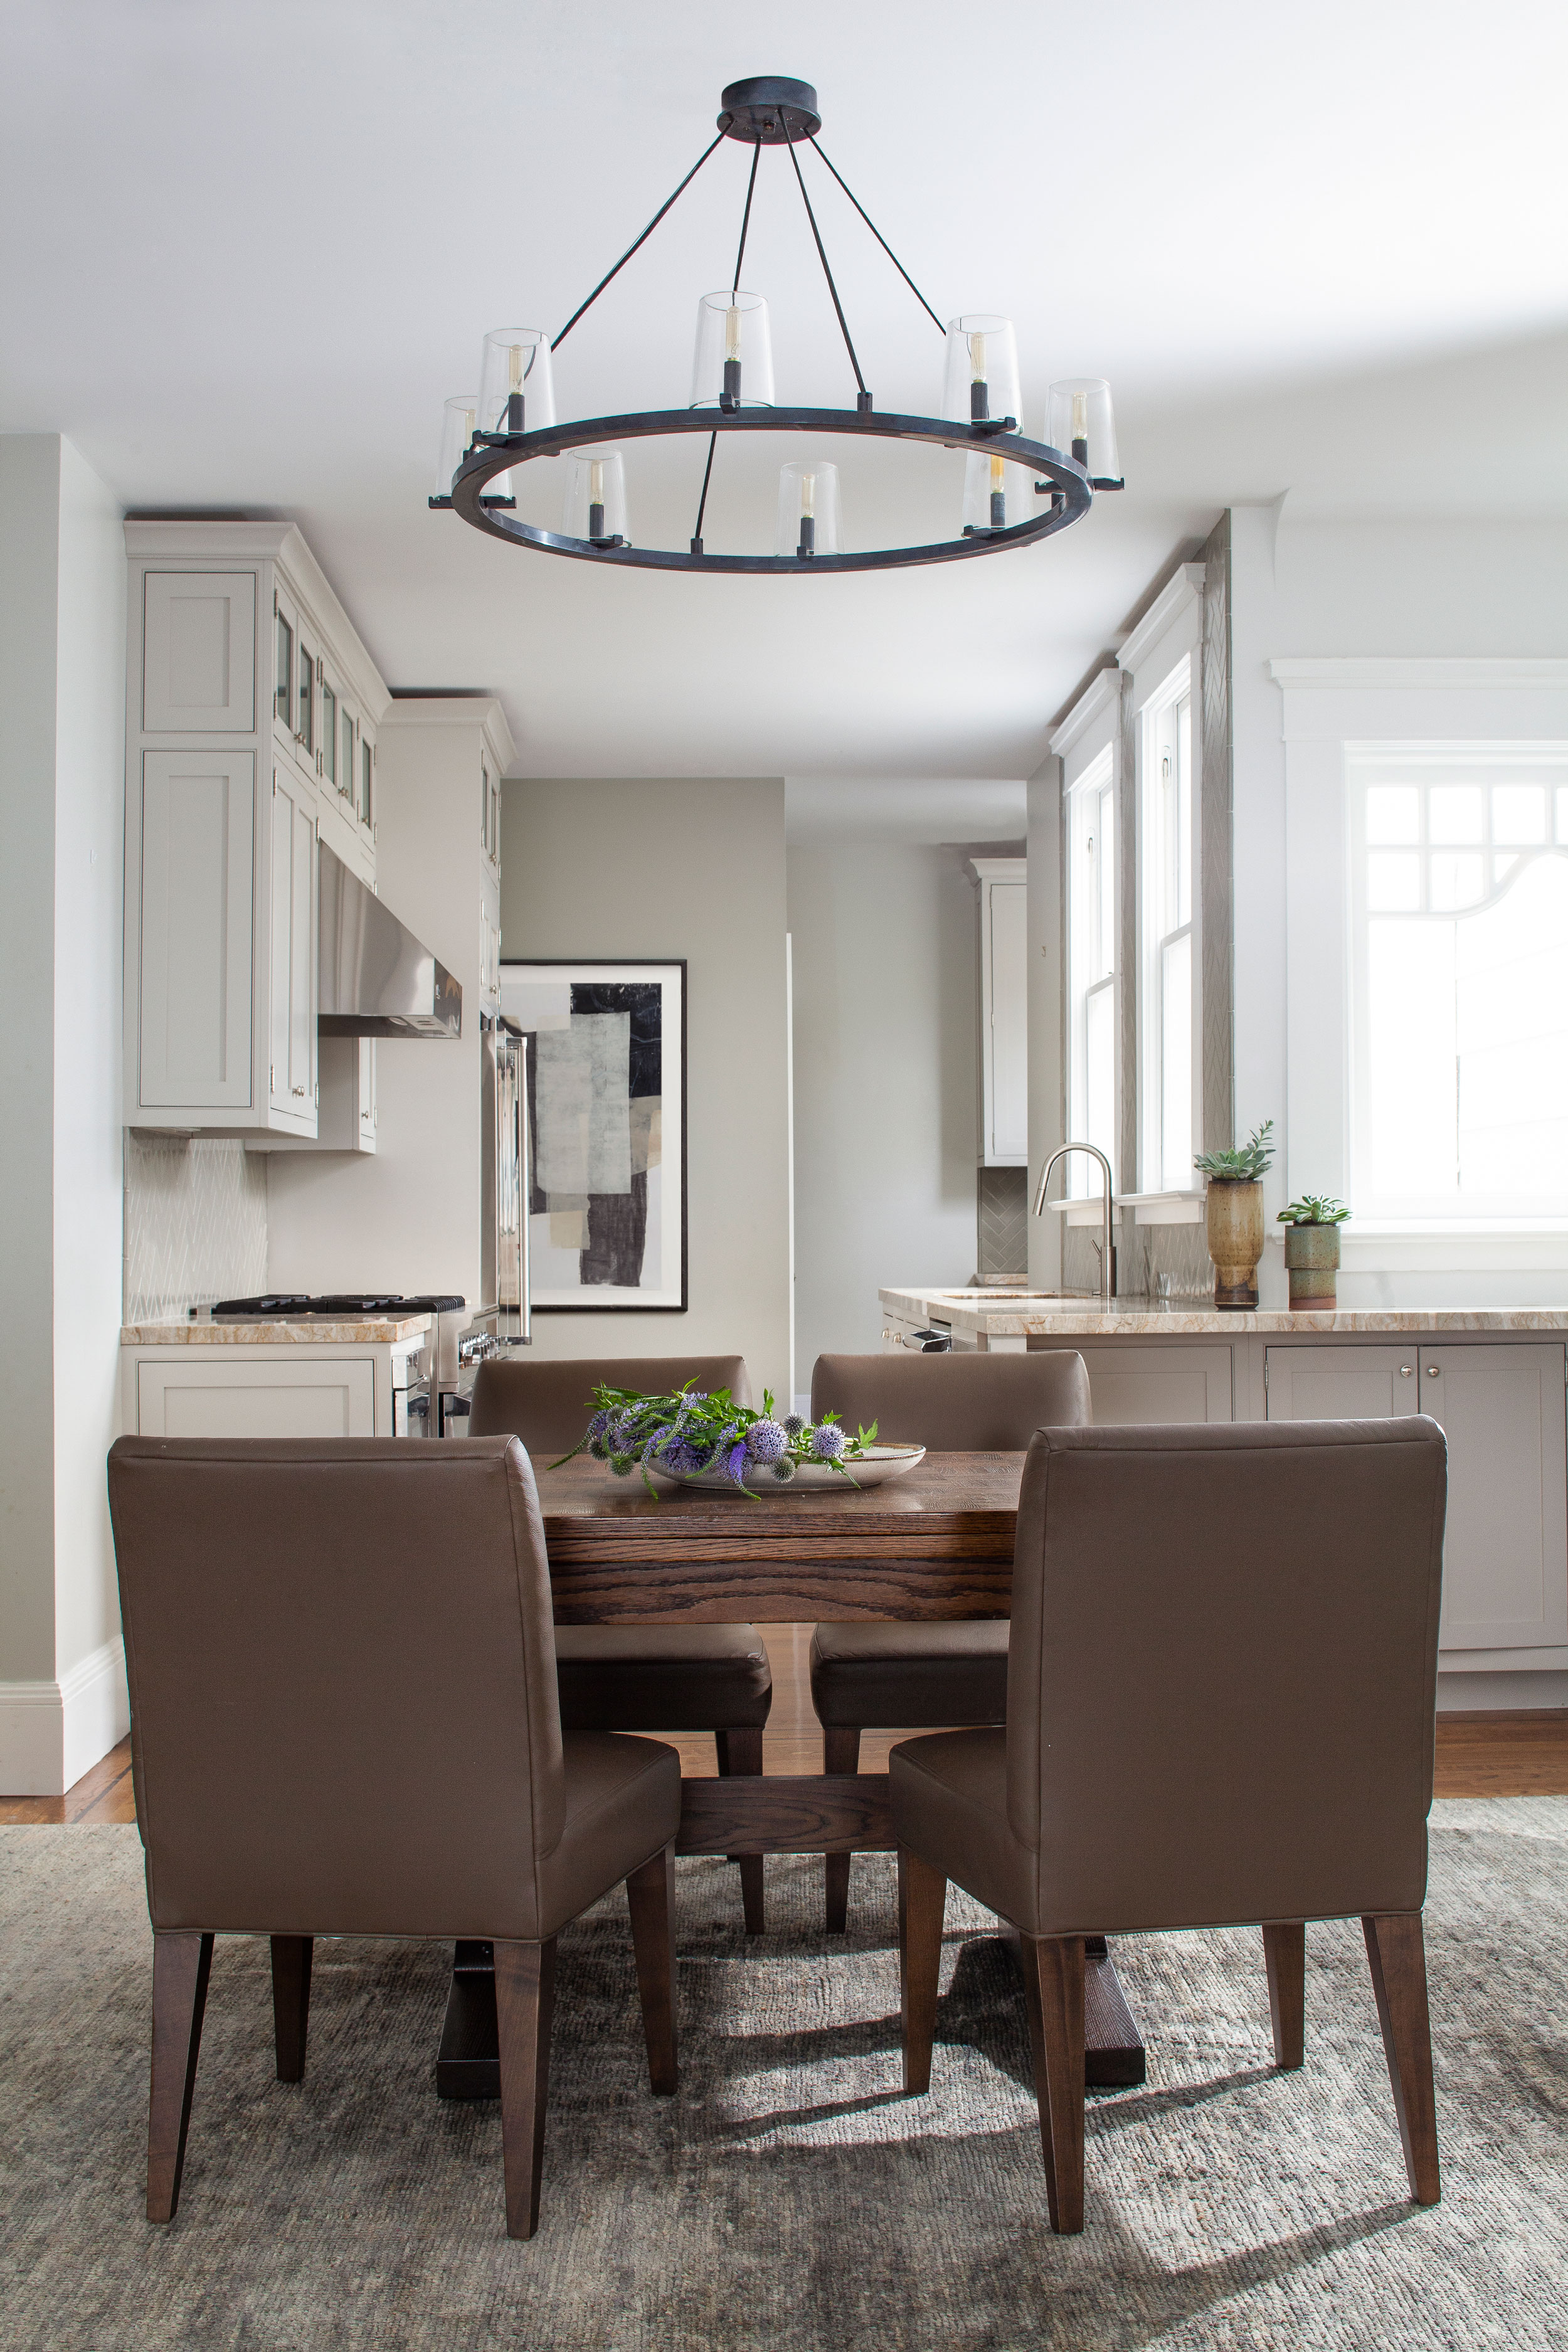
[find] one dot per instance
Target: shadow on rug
(789, 2196)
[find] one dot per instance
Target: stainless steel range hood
(376, 980)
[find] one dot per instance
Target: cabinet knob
(1405, 1372)
(1434, 1371)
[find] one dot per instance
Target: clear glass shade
(517, 392)
(733, 364)
(981, 379)
(457, 419)
(595, 506)
(1080, 424)
(996, 496)
(809, 523)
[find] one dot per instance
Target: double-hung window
(1169, 994)
(1458, 941)
(1091, 924)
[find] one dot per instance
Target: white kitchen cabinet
(1004, 1011)
(1171, 1383)
(1505, 1552)
(191, 1039)
(291, 1058)
(345, 1101)
(240, 650)
(319, 1397)
(199, 653)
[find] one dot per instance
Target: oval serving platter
(872, 1468)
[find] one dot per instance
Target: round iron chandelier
(489, 435)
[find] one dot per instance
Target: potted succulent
(1235, 1210)
(1312, 1248)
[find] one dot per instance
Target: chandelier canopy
(1015, 491)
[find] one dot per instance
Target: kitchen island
(304, 1376)
(1495, 1378)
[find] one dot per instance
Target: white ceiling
(245, 252)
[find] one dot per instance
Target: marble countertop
(1036, 1317)
(300, 1331)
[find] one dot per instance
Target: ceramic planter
(1236, 1239)
(1313, 1262)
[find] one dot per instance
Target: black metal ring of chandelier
(769, 110)
(500, 453)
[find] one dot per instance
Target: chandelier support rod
(625, 257)
(882, 241)
(735, 287)
(822, 255)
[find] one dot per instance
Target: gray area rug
(789, 2196)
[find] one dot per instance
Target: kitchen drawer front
(1132, 1387)
(318, 1397)
(1312, 1383)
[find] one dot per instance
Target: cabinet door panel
(1311, 1383)
(1009, 1053)
(1130, 1387)
(291, 1040)
(203, 1398)
(193, 1013)
(199, 653)
(1505, 1553)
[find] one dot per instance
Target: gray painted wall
(693, 868)
(886, 955)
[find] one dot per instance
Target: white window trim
(1334, 709)
(1086, 739)
(1181, 679)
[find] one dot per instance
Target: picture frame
(606, 1113)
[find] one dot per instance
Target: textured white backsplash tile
(195, 1224)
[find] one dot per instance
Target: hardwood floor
(1513, 1755)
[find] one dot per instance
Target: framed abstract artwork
(606, 1130)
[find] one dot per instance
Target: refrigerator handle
(524, 1196)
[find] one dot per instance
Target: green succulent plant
(1315, 1208)
(1244, 1163)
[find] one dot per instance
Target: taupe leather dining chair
(1220, 1709)
(682, 1677)
(345, 1722)
(901, 1676)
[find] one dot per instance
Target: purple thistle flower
(827, 1441)
(765, 1440)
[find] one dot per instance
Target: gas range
(281, 1307)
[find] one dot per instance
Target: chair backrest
(954, 1403)
(343, 1682)
(1222, 1674)
(550, 1403)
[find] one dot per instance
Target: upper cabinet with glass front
(251, 717)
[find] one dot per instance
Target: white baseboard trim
(53, 1732)
(1497, 1693)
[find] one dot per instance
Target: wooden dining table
(934, 1543)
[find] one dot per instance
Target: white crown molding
(1456, 672)
(480, 710)
(1185, 587)
(998, 869)
(1097, 696)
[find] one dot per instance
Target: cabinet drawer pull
(1405, 1372)
(1434, 1371)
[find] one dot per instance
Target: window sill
(1145, 1208)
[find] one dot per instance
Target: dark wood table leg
(778, 1814)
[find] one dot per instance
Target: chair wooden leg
(740, 1750)
(922, 1899)
(650, 1892)
(1053, 1985)
(1396, 1955)
(525, 1996)
(181, 1965)
(291, 2003)
(840, 1753)
(1285, 1953)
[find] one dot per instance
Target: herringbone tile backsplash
(195, 1224)
(1002, 1224)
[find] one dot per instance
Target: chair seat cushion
(949, 1798)
(897, 1676)
(623, 1803)
(662, 1677)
